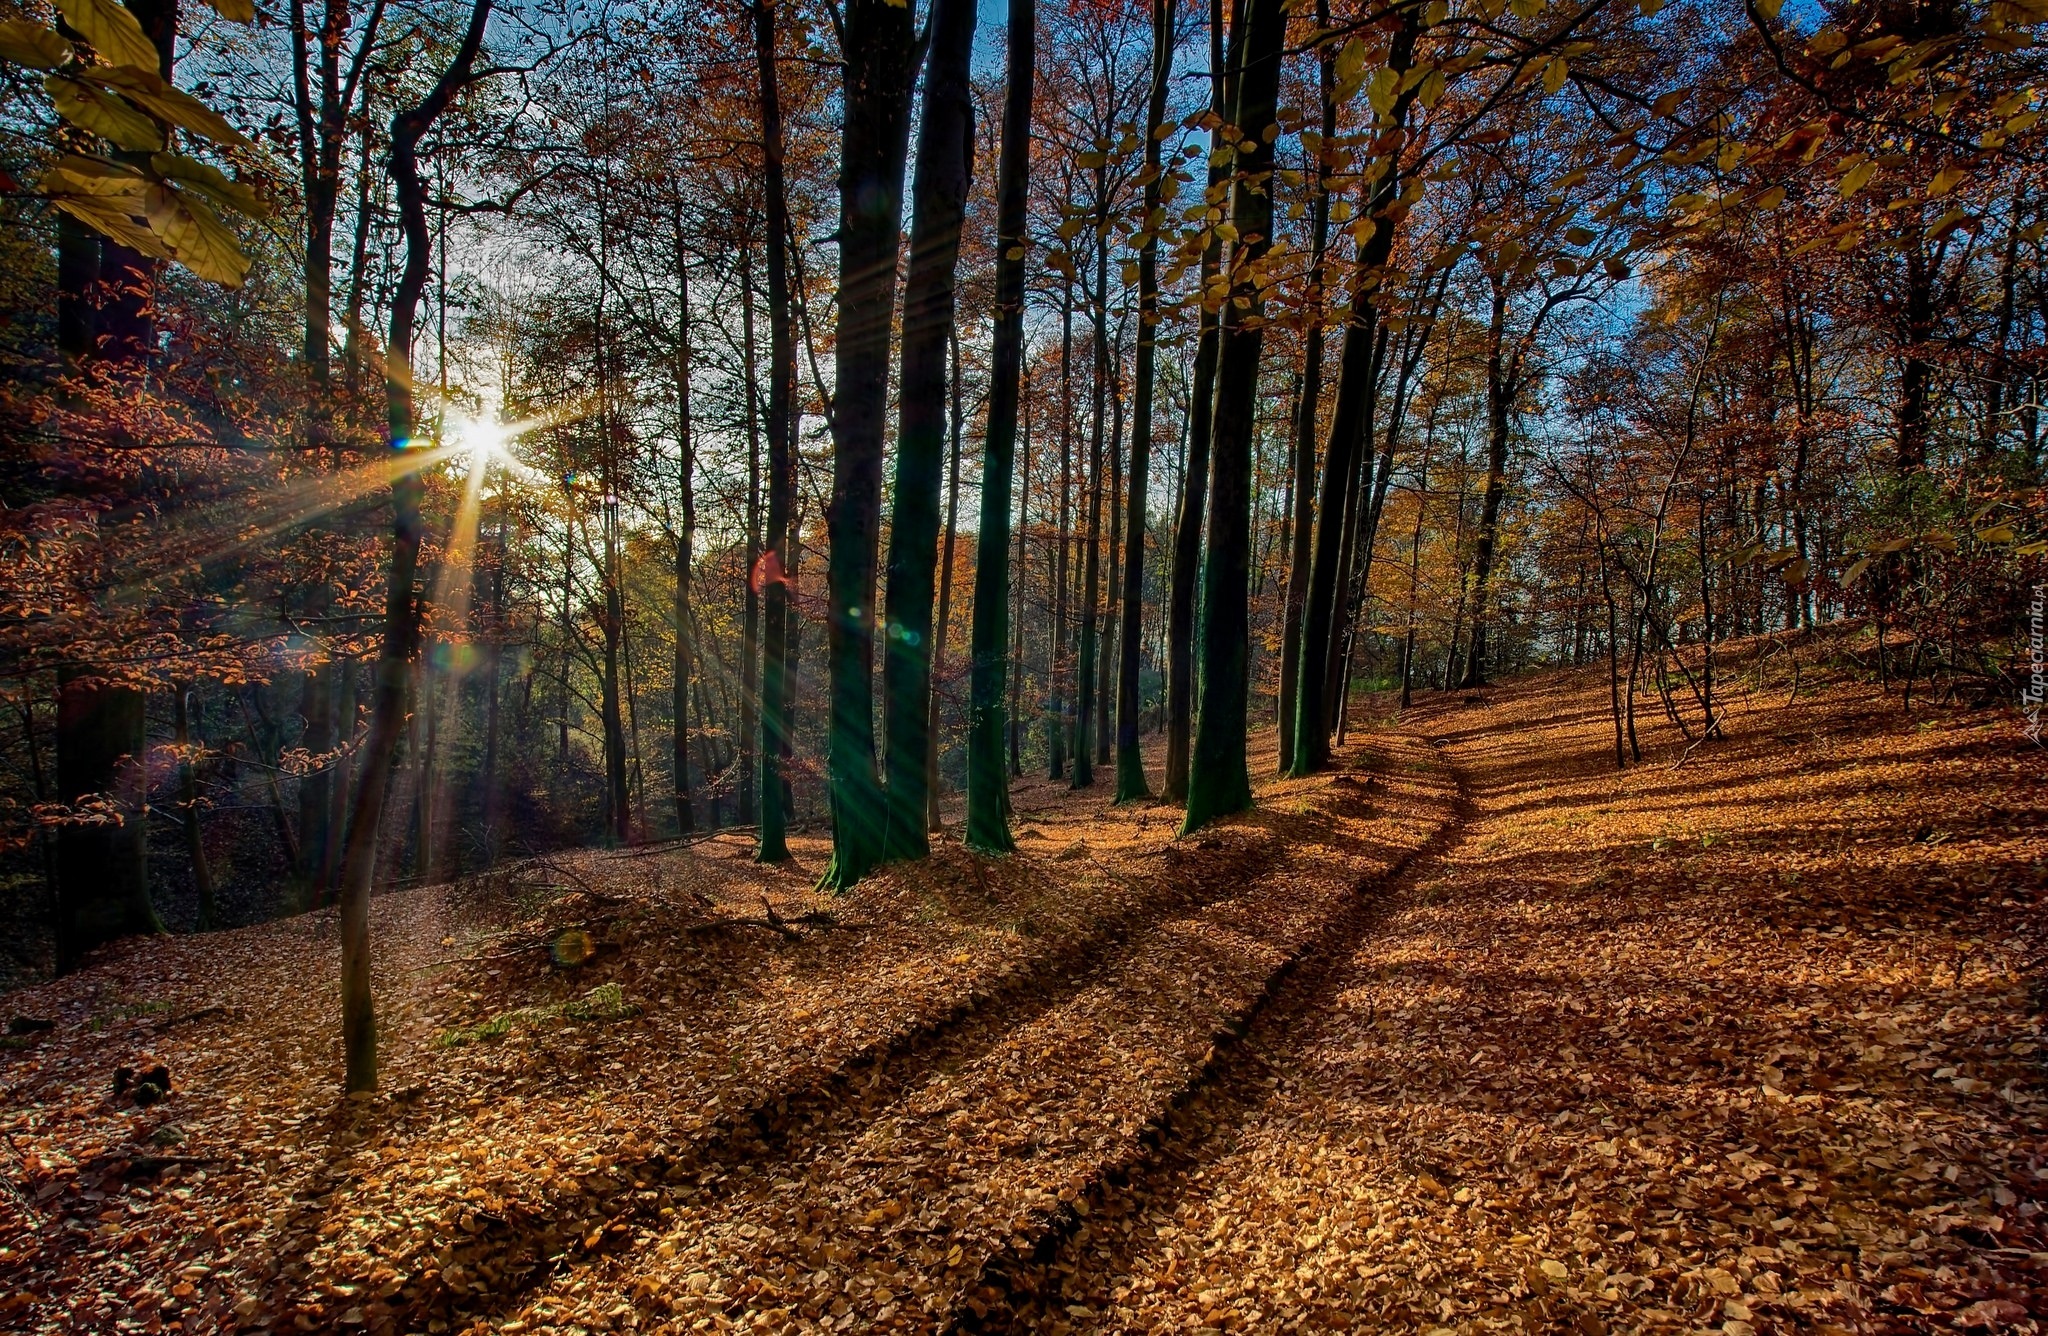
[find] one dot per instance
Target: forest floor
(1473, 1033)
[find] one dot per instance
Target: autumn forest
(1044, 665)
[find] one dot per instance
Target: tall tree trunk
(1091, 558)
(772, 572)
(1357, 374)
(1187, 533)
(1130, 762)
(1219, 781)
(1916, 369)
(401, 610)
(1019, 574)
(958, 411)
(494, 654)
(338, 792)
(988, 827)
(1500, 394)
(878, 71)
(1106, 643)
(750, 612)
(1056, 659)
(1307, 410)
(945, 150)
(685, 539)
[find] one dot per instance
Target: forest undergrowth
(1476, 1032)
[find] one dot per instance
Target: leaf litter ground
(1745, 1045)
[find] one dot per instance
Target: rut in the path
(787, 1126)
(1023, 1288)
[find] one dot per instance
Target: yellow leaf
(107, 217)
(1858, 177)
(33, 45)
(106, 116)
(1944, 181)
(151, 91)
(1669, 102)
(1769, 8)
(195, 237)
(1855, 571)
(113, 32)
(234, 11)
(1771, 198)
(1997, 533)
(1795, 573)
(211, 182)
(75, 174)
(1380, 90)
(1554, 75)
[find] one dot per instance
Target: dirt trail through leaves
(1744, 1046)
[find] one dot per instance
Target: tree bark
(945, 149)
(1187, 534)
(771, 573)
(685, 543)
(940, 630)
(1307, 412)
(878, 70)
(988, 828)
(750, 611)
(1130, 762)
(1219, 782)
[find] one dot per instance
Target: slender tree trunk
(1307, 414)
(750, 613)
(1091, 554)
(359, 861)
(1183, 592)
(878, 69)
(1056, 661)
(1105, 643)
(1500, 395)
(1018, 577)
(1219, 782)
(939, 632)
(988, 827)
(772, 572)
(685, 540)
(1916, 372)
(494, 655)
(338, 789)
(1130, 762)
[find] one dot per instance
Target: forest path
(1744, 1045)
(886, 1208)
